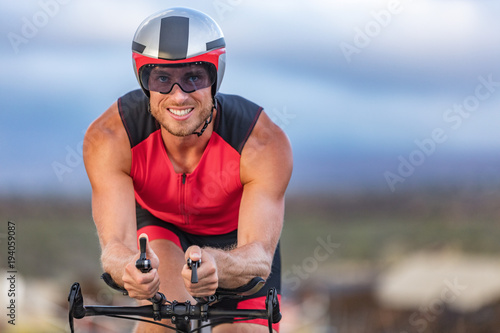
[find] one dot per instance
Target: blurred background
(392, 107)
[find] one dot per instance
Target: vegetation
(57, 238)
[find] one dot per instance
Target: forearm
(238, 266)
(114, 258)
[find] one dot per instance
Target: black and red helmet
(179, 36)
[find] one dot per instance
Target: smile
(180, 113)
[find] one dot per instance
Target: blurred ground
(412, 262)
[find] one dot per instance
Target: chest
(211, 187)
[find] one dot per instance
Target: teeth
(181, 112)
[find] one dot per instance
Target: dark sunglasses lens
(189, 77)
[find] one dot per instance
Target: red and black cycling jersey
(200, 208)
(206, 201)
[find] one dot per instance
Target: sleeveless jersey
(206, 201)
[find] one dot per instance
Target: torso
(200, 194)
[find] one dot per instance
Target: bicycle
(180, 313)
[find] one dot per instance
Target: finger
(205, 290)
(141, 285)
(193, 252)
(144, 292)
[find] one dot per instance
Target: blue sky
(355, 84)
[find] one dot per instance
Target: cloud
(282, 54)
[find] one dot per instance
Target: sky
(373, 94)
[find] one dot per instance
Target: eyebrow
(196, 71)
(160, 71)
(190, 71)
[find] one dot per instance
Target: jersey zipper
(184, 212)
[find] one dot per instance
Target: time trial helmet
(179, 36)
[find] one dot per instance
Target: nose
(177, 93)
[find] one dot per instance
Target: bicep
(107, 161)
(266, 166)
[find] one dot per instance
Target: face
(179, 112)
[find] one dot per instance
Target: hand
(142, 285)
(208, 280)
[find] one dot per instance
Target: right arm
(107, 156)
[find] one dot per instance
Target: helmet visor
(188, 76)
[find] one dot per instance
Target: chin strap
(208, 121)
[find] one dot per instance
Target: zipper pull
(183, 178)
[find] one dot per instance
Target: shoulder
(267, 156)
(138, 122)
(133, 102)
(266, 135)
(106, 142)
(108, 126)
(112, 124)
(235, 119)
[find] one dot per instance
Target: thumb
(193, 253)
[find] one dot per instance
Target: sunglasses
(189, 77)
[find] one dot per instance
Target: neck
(185, 152)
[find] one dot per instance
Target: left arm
(265, 170)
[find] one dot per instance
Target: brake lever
(143, 264)
(193, 265)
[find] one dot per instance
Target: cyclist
(202, 174)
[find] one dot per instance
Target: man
(203, 175)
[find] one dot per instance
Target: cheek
(203, 94)
(204, 97)
(155, 107)
(154, 99)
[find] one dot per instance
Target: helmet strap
(208, 121)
